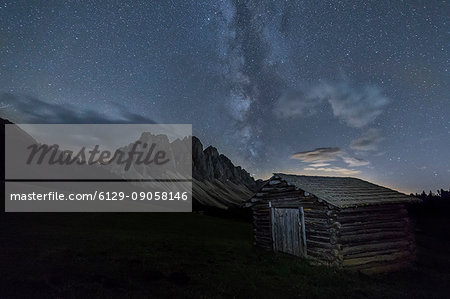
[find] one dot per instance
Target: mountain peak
(209, 165)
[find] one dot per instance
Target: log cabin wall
(262, 226)
(377, 238)
(320, 226)
(273, 191)
(321, 231)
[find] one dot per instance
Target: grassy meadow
(141, 255)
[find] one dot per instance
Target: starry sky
(311, 87)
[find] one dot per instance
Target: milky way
(314, 87)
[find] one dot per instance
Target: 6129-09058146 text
(103, 195)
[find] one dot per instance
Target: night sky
(315, 87)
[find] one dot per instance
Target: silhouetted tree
(440, 195)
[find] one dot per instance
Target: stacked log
(376, 238)
(262, 226)
(321, 230)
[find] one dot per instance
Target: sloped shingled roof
(345, 192)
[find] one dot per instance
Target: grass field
(183, 255)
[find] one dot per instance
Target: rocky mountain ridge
(209, 165)
(216, 181)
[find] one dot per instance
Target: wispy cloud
(368, 141)
(352, 161)
(333, 170)
(319, 155)
(295, 103)
(321, 159)
(28, 109)
(355, 106)
(319, 164)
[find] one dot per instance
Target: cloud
(294, 103)
(319, 164)
(334, 170)
(352, 161)
(368, 141)
(321, 157)
(28, 109)
(356, 106)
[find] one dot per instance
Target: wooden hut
(338, 221)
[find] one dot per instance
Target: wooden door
(288, 231)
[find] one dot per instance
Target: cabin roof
(345, 192)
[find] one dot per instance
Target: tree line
(432, 204)
(439, 195)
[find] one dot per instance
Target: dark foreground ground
(187, 255)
